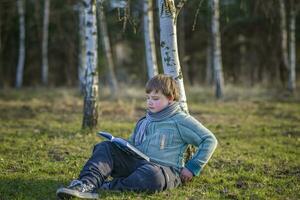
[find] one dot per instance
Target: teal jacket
(167, 140)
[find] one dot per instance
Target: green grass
(42, 146)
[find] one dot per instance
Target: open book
(124, 145)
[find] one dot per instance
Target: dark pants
(128, 172)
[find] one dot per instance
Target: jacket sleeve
(193, 132)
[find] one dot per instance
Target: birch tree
(168, 46)
(216, 45)
(1, 68)
(45, 42)
(21, 60)
(209, 67)
(90, 109)
(284, 42)
(82, 47)
(151, 59)
(292, 45)
(107, 50)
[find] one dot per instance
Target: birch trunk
(284, 42)
(1, 68)
(151, 59)
(45, 43)
(168, 46)
(107, 51)
(90, 109)
(21, 60)
(292, 41)
(82, 47)
(216, 45)
(209, 66)
(243, 70)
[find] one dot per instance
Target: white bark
(45, 42)
(292, 41)
(216, 45)
(118, 3)
(21, 60)
(151, 59)
(90, 110)
(168, 46)
(107, 51)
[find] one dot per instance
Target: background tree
(21, 60)
(112, 80)
(149, 40)
(284, 42)
(217, 53)
(1, 72)
(90, 109)
(81, 46)
(45, 42)
(209, 66)
(292, 45)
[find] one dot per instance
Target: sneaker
(78, 189)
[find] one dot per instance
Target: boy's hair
(165, 84)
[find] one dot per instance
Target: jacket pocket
(165, 138)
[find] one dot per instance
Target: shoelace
(75, 182)
(84, 187)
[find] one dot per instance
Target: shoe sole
(64, 194)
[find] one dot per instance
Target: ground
(258, 156)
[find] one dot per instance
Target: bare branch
(196, 15)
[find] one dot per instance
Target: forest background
(250, 42)
(43, 145)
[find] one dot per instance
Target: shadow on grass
(37, 189)
(17, 188)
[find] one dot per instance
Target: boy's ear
(170, 98)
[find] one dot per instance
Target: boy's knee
(152, 178)
(102, 146)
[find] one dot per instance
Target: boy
(163, 135)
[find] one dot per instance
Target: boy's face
(156, 101)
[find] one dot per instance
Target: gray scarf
(140, 130)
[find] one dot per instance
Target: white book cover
(124, 145)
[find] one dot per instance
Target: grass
(42, 146)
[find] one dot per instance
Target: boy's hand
(186, 175)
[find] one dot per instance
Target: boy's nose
(149, 102)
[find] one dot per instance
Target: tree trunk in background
(217, 53)
(292, 41)
(1, 67)
(284, 64)
(209, 76)
(181, 45)
(82, 47)
(209, 66)
(168, 46)
(242, 71)
(90, 109)
(45, 42)
(151, 59)
(21, 60)
(107, 51)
